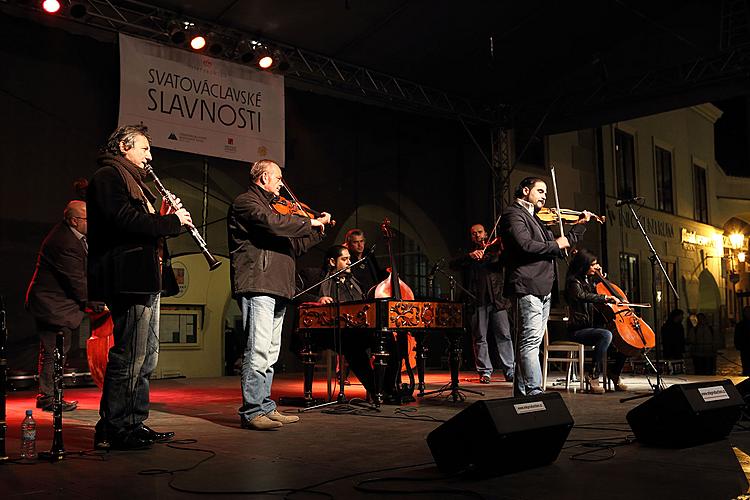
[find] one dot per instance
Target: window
(630, 276)
(179, 325)
(700, 193)
(625, 164)
(663, 169)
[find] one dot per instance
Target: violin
(630, 334)
(550, 216)
(293, 206)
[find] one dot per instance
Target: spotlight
(51, 6)
(177, 32)
(266, 61)
(215, 45)
(78, 10)
(197, 42)
(246, 51)
(264, 56)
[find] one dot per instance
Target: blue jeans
(531, 314)
(262, 317)
(600, 339)
(125, 395)
(487, 319)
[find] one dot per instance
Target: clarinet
(210, 259)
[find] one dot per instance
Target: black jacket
(581, 299)
(57, 292)
(124, 241)
(264, 244)
(530, 252)
(483, 278)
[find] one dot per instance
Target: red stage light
(265, 62)
(197, 42)
(51, 6)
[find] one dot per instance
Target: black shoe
(101, 441)
(509, 378)
(130, 442)
(49, 405)
(485, 379)
(147, 433)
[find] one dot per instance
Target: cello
(630, 334)
(393, 287)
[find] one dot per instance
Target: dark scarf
(133, 175)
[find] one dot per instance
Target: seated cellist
(584, 324)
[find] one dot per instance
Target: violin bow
(557, 204)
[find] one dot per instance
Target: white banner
(194, 103)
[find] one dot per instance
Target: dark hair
(127, 135)
(334, 253)
(675, 313)
(580, 263)
(528, 182)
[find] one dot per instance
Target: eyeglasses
(82, 218)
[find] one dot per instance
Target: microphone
(435, 268)
(628, 201)
(370, 251)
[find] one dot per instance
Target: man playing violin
(531, 250)
(483, 276)
(581, 296)
(263, 246)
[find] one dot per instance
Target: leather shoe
(260, 423)
(49, 405)
(485, 379)
(148, 434)
(284, 419)
(101, 441)
(130, 442)
(509, 378)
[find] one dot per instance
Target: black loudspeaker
(744, 389)
(529, 432)
(687, 414)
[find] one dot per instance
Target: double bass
(630, 334)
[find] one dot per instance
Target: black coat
(124, 240)
(483, 278)
(530, 252)
(57, 292)
(581, 299)
(264, 244)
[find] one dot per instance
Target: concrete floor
(334, 453)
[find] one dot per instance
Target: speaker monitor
(529, 431)
(687, 414)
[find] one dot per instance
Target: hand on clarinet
(184, 216)
(170, 204)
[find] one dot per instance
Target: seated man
(354, 345)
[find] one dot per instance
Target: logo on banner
(230, 140)
(172, 137)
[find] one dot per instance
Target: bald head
(75, 215)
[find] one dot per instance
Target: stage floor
(332, 454)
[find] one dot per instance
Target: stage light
(51, 6)
(265, 61)
(177, 32)
(246, 51)
(197, 42)
(215, 45)
(78, 10)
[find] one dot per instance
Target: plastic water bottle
(28, 436)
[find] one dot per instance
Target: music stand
(654, 259)
(456, 391)
(337, 337)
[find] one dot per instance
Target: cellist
(582, 323)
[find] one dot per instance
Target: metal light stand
(654, 259)
(3, 379)
(456, 391)
(57, 452)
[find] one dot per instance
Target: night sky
(733, 136)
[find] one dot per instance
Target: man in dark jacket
(129, 268)
(483, 276)
(263, 245)
(57, 295)
(530, 253)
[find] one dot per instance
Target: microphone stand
(337, 340)
(457, 392)
(654, 259)
(3, 378)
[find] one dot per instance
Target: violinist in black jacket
(581, 296)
